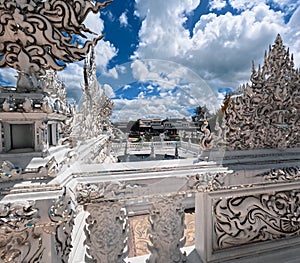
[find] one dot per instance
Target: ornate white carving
(35, 35)
(9, 104)
(19, 240)
(285, 174)
(267, 114)
(167, 231)
(207, 182)
(27, 105)
(255, 218)
(62, 215)
(93, 193)
(95, 108)
(106, 233)
(206, 142)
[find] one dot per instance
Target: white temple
(63, 199)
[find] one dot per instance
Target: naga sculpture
(37, 35)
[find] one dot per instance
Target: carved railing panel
(27, 230)
(286, 174)
(106, 233)
(255, 218)
(167, 231)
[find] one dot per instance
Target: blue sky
(163, 58)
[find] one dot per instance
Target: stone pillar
(167, 231)
(106, 232)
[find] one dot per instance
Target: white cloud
(108, 90)
(162, 29)
(112, 73)
(176, 89)
(149, 107)
(221, 48)
(217, 4)
(123, 19)
(244, 4)
(286, 5)
(141, 72)
(93, 22)
(292, 37)
(72, 76)
(8, 77)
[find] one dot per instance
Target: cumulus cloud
(221, 47)
(292, 37)
(72, 76)
(169, 90)
(8, 77)
(162, 27)
(150, 107)
(217, 4)
(244, 4)
(108, 90)
(285, 5)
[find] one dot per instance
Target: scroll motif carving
(106, 233)
(34, 34)
(19, 240)
(282, 174)
(207, 182)
(255, 218)
(166, 231)
(212, 140)
(93, 193)
(62, 215)
(206, 142)
(266, 114)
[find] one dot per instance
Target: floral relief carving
(139, 236)
(255, 218)
(106, 233)
(166, 231)
(189, 231)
